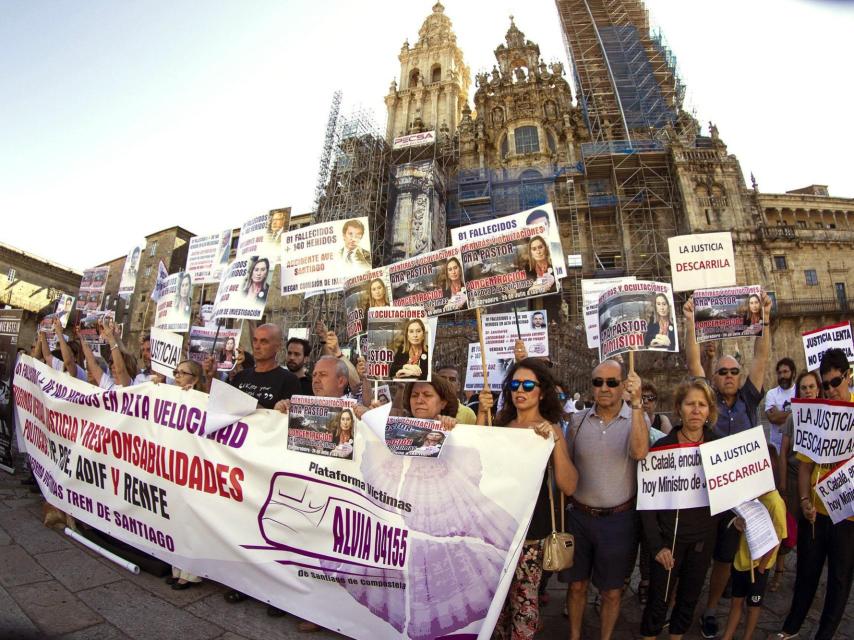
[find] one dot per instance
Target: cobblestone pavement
(51, 587)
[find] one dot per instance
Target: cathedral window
(527, 140)
(413, 78)
(436, 73)
(505, 147)
(811, 277)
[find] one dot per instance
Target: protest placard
(836, 336)
(500, 332)
(175, 306)
(731, 312)
(450, 530)
(737, 468)
(262, 236)
(165, 351)
(88, 327)
(160, 283)
(321, 257)
(224, 351)
(431, 280)
(758, 528)
(361, 292)
(10, 327)
(243, 289)
(92, 287)
(542, 217)
(129, 272)
(64, 308)
(298, 332)
(702, 261)
(414, 436)
(836, 491)
(496, 368)
(671, 477)
(508, 267)
(322, 426)
(400, 343)
(637, 316)
(824, 429)
(590, 291)
(207, 256)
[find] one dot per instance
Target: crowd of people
(597, 447)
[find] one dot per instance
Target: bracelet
(805, 498)
(637, 408)
(115, 346)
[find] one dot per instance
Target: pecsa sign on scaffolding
(414, 140)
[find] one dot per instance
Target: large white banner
(836, 336)
(737, 469)
(671, 477)
(836, 491)
(380, 546)
(175, 305)
(824, 429)
(702, 261)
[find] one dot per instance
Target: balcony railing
(779, 232)
(812, 307)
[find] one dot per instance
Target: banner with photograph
(225, 350)
(836, 491)
(400, 344)
(414, 436)
(508, 267)
(671, 477)
(731, 312)
(207, 256)
(836, 336)
(824, 429)
(88, 328)
(501, 330)
(262, 235)
(496, 368)
(130, 271)
(702, 261)
(10, 327)
(541, 216)
(321, 257)
(737, 468)
(322, 426)
(637, 316)
(431, 280)
(243, 289)
(361, 292)
(92, 286)
(175, 306)
(166, 351)
(371, 548)
(591, 289)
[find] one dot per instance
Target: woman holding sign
(410, 362)
(538, 266)
(681, 541)
(660, 329)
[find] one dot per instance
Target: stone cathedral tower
(434, 81)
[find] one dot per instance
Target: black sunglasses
(734, 371)
(833, 382)
(611, 382)
(527, 385)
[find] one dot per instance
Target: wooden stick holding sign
(483, 361)
(518, 331)
(632, 370)
(672, 544)
(216, 336)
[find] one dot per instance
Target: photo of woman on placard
(752, 317)
(411, 360)
(377, 295)
(450, 280)
(227, 355)
(538, 266)
(428, 445)
(184, 296)
(660, 328)
(341, 427)
(255, 285)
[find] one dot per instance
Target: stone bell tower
(434, 81)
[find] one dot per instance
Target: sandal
(643, 592)
(234, 596)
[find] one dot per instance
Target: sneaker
(709, 626)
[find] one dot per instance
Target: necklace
(698, 441)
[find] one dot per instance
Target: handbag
(559, 547)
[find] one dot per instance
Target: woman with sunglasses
(532, 403)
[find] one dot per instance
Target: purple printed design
(387, 603)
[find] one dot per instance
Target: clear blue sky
(119, 118)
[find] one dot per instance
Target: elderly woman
(532, 404)
(434, 400)
(410, 361)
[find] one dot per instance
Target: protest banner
(361, 292)
(383, 535)
(175, 306)
(501, 330)
(321, 257)
(758, 528)
(414, 436)
(637, 316)
(64, 308)
(129, 272)
(400, 343)
(262, 236)
(160, 283)
(322, 426)
(10, 327)
(836, 491)
(88, 328)
(92, 286)
(508, 267)
(166, 350)
(731, 312)
(430, 280)
(671, 477)
(737, 468)
(702, 261)
(243, 289)
(591, 289)
(824, 429)
(538, 217)
(207, 256)
(298, 332)
(836, 336)
(496, 369)
(221, 342)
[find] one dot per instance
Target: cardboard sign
(243, 289)
(322, 426)
(414, 436)
(637, 315)
(160, 283)
(361, 292)
(496, 368)
(64, 308)
(836, 491)
(175, 306)
(321, 257)
(396, 336)
(433, 280)
(165, 351)
(262, 235)
(836, 336)
(702, 261)
(824, 429)
(207, 256)
(737, 469)
(92, 286)
(130, 271)
(731, 312)
(225, 350)
(671, 477)
(500, 332)
(298, 332)
(590, 292)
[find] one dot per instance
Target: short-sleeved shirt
(742, 415)
(59, 365)
(267, 387)
(607, 475)
(780, 399)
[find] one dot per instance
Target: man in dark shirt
(267, 382)
(298, 351)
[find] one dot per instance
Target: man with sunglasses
(606, 441)
(737, 405)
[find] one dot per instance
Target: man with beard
(778, 399)
(297, 353)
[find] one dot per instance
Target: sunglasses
(561, 396)
(734, 371)
(649, 398)
(833, 382)
(527, 385)
(178, 372)
(611, 382)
